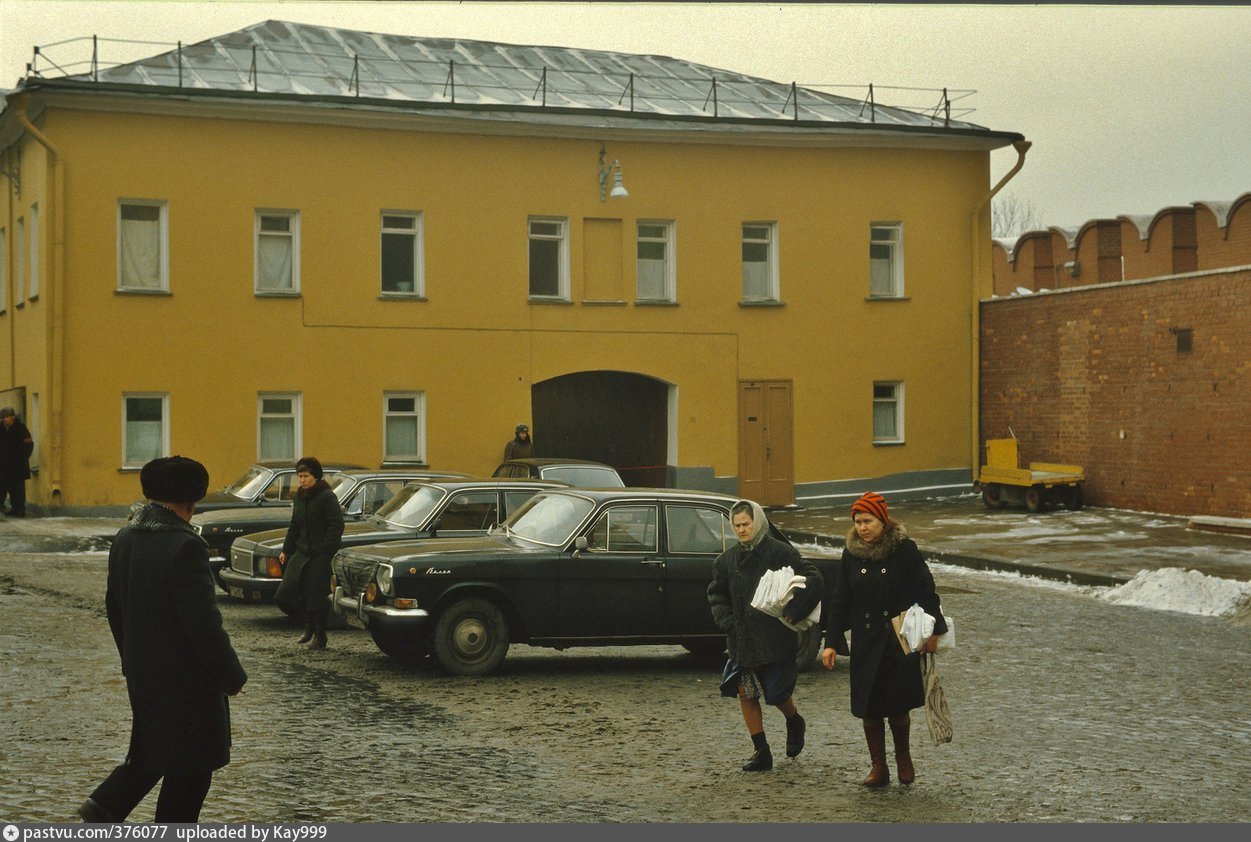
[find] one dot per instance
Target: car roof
(285, 464)
(457, 483)
(403, 472)
(671, 494)
(543, 461)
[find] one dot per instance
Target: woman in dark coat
(178, 662)
(762, 650)
(881, 574)
(312, 540)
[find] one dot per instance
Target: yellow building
(382, 249)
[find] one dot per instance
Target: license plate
(237, 592)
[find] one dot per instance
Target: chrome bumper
(355, 610)
(231, 577)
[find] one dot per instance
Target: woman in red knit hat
(881, 574)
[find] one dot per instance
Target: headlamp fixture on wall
(618, 189)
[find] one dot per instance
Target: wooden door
(766, 446)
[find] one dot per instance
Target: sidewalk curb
(1058, 574)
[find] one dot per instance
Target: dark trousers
(14, 487)
(180, 800)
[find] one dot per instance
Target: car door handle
(654, 562)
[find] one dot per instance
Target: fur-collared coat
(313, 538)
(874, 583)
(177, 658)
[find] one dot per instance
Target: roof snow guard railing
(298, 60)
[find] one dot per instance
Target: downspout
(975, 339)
(56, 305)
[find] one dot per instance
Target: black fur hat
(174, 479)
(310, 464)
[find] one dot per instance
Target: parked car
(458, 507)
(577, 472)
(360, 492)
(572, 567)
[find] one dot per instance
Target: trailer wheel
(1075, 499)
(1035, 498)
(993, 496)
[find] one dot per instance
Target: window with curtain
(760, 274)
(34, 252)
(403, 423)
(888, 412)
(145, 432)
(401, 253)
(277, 251)
(655, 261)
(278, 427)
(886, 260)
(142, 246)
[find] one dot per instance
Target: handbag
(937, 714)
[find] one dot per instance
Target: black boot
(319, 631)
(796, 727)
(875, 736)
(309, 628)
(762, 760)
(899, 728)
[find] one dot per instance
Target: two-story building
(293, 239)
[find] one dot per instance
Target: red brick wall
(1093, 376)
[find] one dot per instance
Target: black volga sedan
(572, 567)
(455, 507)
(360, 492)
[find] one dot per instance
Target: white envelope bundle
(776, 590)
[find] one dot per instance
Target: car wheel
(993, 496)
(707, 650)
(1035, 497)
(402, 647)
(471, 637)
(809, 646)
(1075, 499)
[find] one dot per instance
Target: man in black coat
(16, 446)
(178, 662)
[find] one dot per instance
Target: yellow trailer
(1004, 482)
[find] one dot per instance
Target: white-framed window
(33, 288)
(401, 253)
(655, 267)
(277, 251)
(142, 245)
(886, 279)
(4, 271)
(888, 412)
(19, 261)
(760, 261)
(278, 425)
(145, 427)
(549, 257)
(404, 426)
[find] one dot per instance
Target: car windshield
(584, 476)
(549, 519)
(412, 505)
(342, 486)
(250, 484)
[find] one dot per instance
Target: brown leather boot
(875, 736)
(309, 628)
(319, 632)
(899, 728)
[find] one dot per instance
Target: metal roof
(302, 61)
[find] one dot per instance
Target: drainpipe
(19, 102)
(975, 339)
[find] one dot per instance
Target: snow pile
(1185, 591)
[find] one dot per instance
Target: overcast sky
(1130, 109)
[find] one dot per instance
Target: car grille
(241, 560)
(354, 574)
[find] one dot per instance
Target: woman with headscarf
(762, 650)
(312, 540)
(881, 574)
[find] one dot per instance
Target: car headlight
(384, 579)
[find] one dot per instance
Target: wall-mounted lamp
(618, 189)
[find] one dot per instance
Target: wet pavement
(1067, 708)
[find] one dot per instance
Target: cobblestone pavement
(1067, 708)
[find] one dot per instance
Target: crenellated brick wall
(1145, 383)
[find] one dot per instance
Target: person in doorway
(520, 447)
(16, 446)
(880, 575)
(763, 651)
(177, 659)
(313, 538)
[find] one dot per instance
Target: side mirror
(579, 544)
(433, 531)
